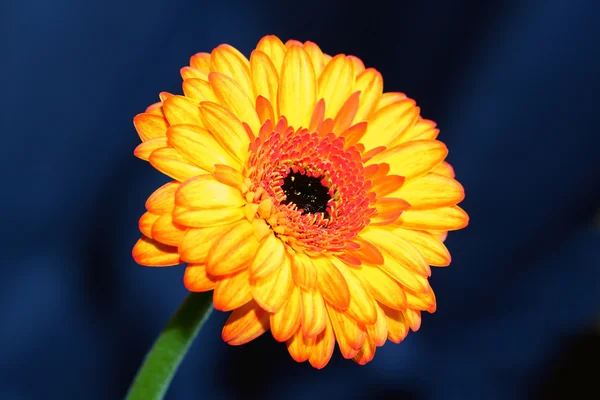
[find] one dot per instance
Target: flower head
(308, 200)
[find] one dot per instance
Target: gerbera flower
(309, 201)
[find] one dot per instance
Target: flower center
(306, 192)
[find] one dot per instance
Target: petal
(228, 61)
(388, 98)
(245, 324)
(196, 279)
(398, 249)
(388, 184)
(362, 306)
(368, 253)
(432, 249)
(300, 347)
(287, 320)
(143, 150)
(145, 223)
(172, 163)
(314, 314)
(304, 271)
(378, 331)
(232, 291)
(413, 319)
(264, 109)
(265, 79)
(269, 257)
(323, 347)
(201, 61)
(366, 352)
(350, 336)
(181, 110)
(233, 250)
(423, 129)
(273, 291)
(233, 97)
(227, 129)
(445, 169)
(297, 88)
(274, 48)
(196, 243)
(396, 324)
(343, 119)
(204, 192)
(228, 175)
(421, 301)
(431, 191)
(389, 210)
(207, 218)
(370, 85)
(192, 73)
(389, 123)
(442, 219)
(200, 146)
(150, 126)
(163, 199)
(336, 83)
(166, 231)
(382, 287)
(413, 159)
(331, 283)
(150, 253)
(316, 56)
(199, 90)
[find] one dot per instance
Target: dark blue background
(513, 86)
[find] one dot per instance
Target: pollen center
(306, 192)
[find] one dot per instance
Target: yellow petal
(362, 306)
(388, 98)
(245, 324)
(196, 279)
(201, 61)
(163, 199)
(204, 192)
(235, 99)
(196, 243)
(300, 347)
(181, 110)
(445, 169)
(323, 347)
(274, 48)
(389, 122)
(432, 249)
(227, 129)
(378, 331)
(331, 283)
(297, 88)
(350, 336)
(366, 352)
(383, 288)
(232, 291)
(396, 324)
(287, 320)
(431, 191)
(421, 301)
(388, 210)
(145, 223)
(316, 57)
(207, 218)
(314, 314)
(150, 253)
(166, 231)
(172, 163)
(229, 176)
(336, 83)
(193, 73)
(413, 159)
(304, 271)
(442, 219)
(412, 318)
(228, 61)
(423, 129)
(200, 147)
(398, 249)
(150, 126)
(265, 79)
(269, 257)
(199, 90)
(143, 150)
(272, 292)
(233, 250)
(370, 85)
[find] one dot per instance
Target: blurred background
(513, 87)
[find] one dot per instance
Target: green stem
(161, 363)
